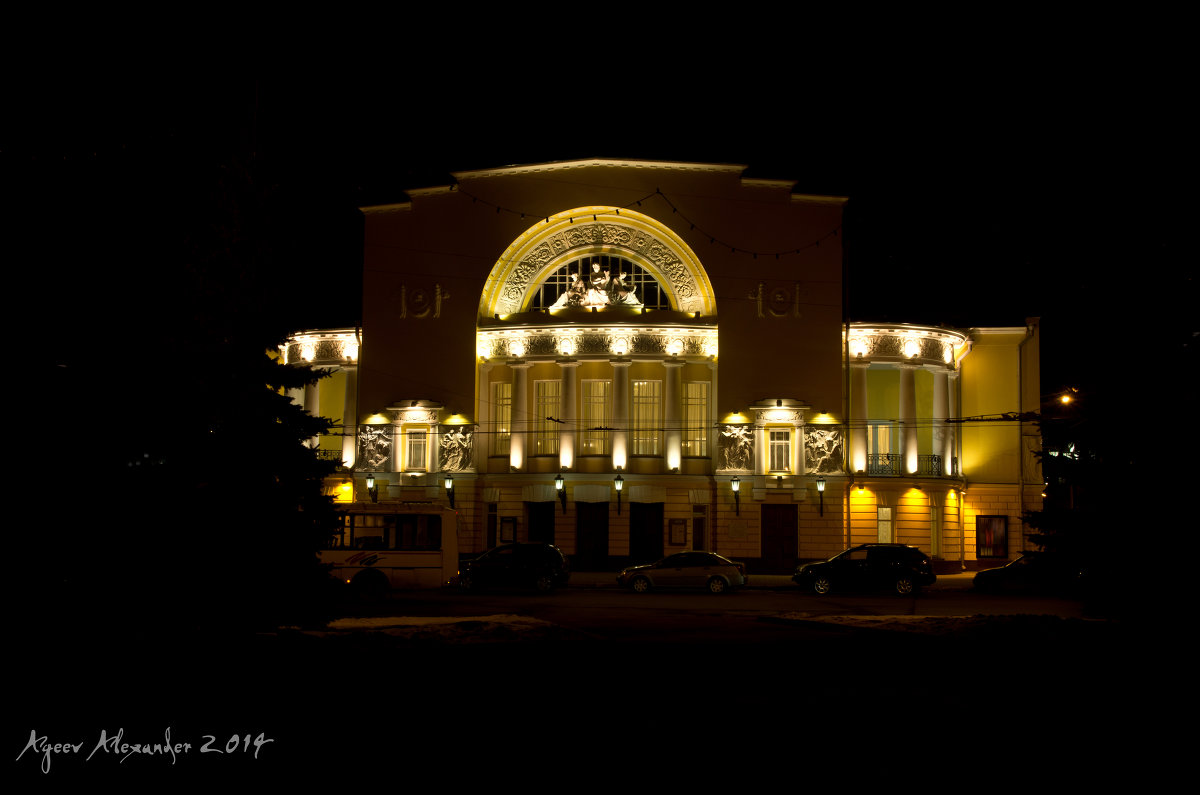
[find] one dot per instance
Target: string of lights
(713, 239)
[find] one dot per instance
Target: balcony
(889, 465)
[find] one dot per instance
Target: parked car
(685, 570)
(1032, 572)
(542, 567)
(896, 567)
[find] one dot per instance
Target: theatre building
(630, 358)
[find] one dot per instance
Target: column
(672, 388)
(567, 434)
(908, 419)
(620, 412)
(312, 404)
(858, 416)
(953, 462)
(483, 417)
(520, 414)
(941, 410)
(350, 417)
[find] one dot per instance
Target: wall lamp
(450, 489)
(821, 494)
(736, 485)
(372, 489)
(561, 488)
(619, 483)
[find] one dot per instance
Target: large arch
(550, 243)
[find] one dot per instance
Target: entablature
(900, 344)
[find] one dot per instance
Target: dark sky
(975, 199)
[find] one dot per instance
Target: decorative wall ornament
(602, 342)
(420, 302)
(614, 234)
(822, 450)
(776, 301)
(374, 448)
(737, 447)
(925, 346)
(455, 453)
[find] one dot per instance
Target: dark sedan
(685, 570)
(896, 567)
(1030, 573)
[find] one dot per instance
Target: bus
(384, 546)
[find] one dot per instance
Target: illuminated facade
(664, 340)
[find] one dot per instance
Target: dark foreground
(497, 708)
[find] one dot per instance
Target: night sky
(977, 196)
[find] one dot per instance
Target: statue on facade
(738, 447)
(455, 450)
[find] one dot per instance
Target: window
(501, 417)
(545, 440)
(884, 519)
(596, 409)
(695, 418)
(991, 536)
(410, 532)
(416, 449)
(647, 417)
(603, 280)
(779, 449)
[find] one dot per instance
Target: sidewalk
(608, 579)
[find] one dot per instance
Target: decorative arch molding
(551, 243)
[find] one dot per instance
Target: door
(645, 531)
(591, 536)
(541, 521)
(779, 545)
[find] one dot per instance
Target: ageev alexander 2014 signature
(117, 745)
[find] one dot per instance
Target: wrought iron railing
(929, 466)
(883, 464)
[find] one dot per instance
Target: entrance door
(645, 531)
(541, 521)
(591, 536)
(779, 547)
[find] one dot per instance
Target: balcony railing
(883, 464)
(888, 465)
(929, 466)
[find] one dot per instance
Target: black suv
(894, 567)
(526, 565)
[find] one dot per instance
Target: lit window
(596, 408)
(695, 418)
(780, 451)
(545, 439)
(501, 417)
(647, 417)
(416, 449)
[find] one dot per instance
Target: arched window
(599, 280)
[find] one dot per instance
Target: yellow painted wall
(990, 385)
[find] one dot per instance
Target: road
(739, 684)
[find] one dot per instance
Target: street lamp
(372, 489)
(450, 489)
(619, 483)
(560, 487)
(736, 485)
(821, 494)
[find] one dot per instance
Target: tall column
(520, 414)
(858, 416)
(953, 461)
(350, 417)
(941, 410)
(484, 442)
(672, 410)
(312, 404)
(620, 412)
(908, 419)
(566, 412)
